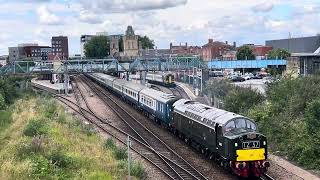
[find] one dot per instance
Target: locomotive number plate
(251, 144)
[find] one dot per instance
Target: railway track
(137, 146)
(176, 92)
(178, 167)
(266, 177)
(165, 164)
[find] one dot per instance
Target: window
(240, 123)
(238, 126)
(230, 126)
(251, 125)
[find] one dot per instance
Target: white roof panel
(158, 95)
(203, 112)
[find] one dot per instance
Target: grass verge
(39, 140)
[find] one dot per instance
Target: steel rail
(107, 99)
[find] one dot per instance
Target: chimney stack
(226, 42)
(234, 44)
(210, 40)
(171, 45)
(186, 44)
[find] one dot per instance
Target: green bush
(36, 127)
(41, 167)
(290, 119)
(62, 118)
(109, 144)
(59, 159)
(137, 170)
(120, 153)
(88, 129)
(218, 88)
(2, 102)
(242, 99)
(5, 118)
(51, 110)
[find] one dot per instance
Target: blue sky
(165, 21)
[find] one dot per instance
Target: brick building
(215, 50)
(185, 50)
(260, 51)
(60, 46)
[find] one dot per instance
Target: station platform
(189, 91)
(48, 86)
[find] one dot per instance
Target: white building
(83, 40)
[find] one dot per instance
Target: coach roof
(158, 95)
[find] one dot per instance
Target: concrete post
(66, 79)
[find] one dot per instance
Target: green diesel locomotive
(229, 138)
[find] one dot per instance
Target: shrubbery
(36, 127)
(235, 99)
(290, 119)
(289, 115)
(120, 153)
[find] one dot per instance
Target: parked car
(216, 74)
(237, 79)
(257, 76)
(248, 76)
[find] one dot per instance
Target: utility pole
(66, 78)
(129, 157)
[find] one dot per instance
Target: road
(256, 84)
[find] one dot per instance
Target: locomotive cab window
(239, 126)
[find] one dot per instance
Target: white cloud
(116, 6)
(89, 17)
(263, 7)
(310, 9)
(46, 17)
(165, 21)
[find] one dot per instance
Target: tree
(2, 102)
(218, 88)
(279, 54)
(97, 47)
(240, 99)
(313, 117)
(146, 43)
(245, 52)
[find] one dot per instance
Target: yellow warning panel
(250, 154)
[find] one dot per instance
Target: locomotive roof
(204, 114)
(158, 95)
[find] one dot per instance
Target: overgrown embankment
(289, 115)
(39, 140)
